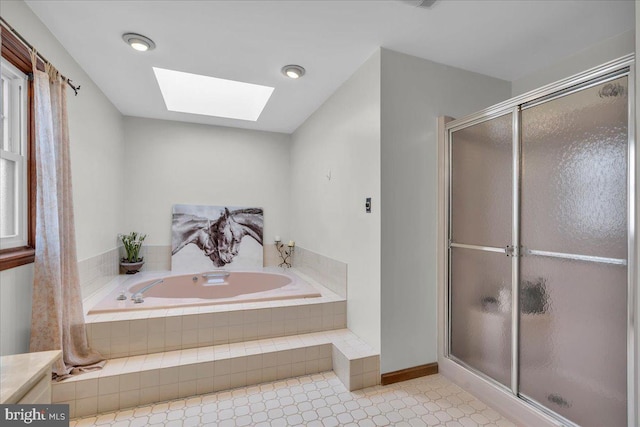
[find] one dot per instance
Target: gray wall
(608, 50)
(97, 149)
(414, 93)
(328, 215)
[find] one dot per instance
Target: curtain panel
(57, 319)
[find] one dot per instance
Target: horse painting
(218, 238)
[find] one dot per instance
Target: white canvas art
(206, 238)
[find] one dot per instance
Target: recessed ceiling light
(139, 42)
(211, 96)
(293, 71)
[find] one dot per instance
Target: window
(17, 162)
(13, 158)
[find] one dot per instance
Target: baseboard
(409, 373)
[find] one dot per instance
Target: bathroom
(374, 135)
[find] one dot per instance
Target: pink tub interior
(193, 290)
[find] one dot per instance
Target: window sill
(11, 258)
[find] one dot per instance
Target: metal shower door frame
(614, 69)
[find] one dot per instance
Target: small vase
(131, 267)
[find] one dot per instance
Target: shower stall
(539, 196)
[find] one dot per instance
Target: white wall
(171, 163)
(97, 147)
(595, 55)
(328, 215)
(97, 150)
(414, 93)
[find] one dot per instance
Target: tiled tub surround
(98, 271)
(150, 331)
(330, 272)
(131, 381)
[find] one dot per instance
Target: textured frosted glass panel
(481, 311)
(7, 197)
(573, 339)
(481, 165)
(574, 178)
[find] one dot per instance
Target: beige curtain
(57, 320)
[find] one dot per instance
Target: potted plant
(132, 243)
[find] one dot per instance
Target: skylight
(211, 96)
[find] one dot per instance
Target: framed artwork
(206, 238)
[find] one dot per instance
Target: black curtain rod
(27, 44)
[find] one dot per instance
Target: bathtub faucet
(137, 297)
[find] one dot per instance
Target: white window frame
(17, 102)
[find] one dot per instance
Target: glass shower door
(573, 273)
(480, 230)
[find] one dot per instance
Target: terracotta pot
(131, 267)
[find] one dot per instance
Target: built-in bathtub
(203, 289)
(215, 344)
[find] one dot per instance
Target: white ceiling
(250, 41)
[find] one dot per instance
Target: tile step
(158, 331)
(135, 380)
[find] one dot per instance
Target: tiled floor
(316, 400)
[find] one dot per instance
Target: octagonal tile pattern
(315, 400)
